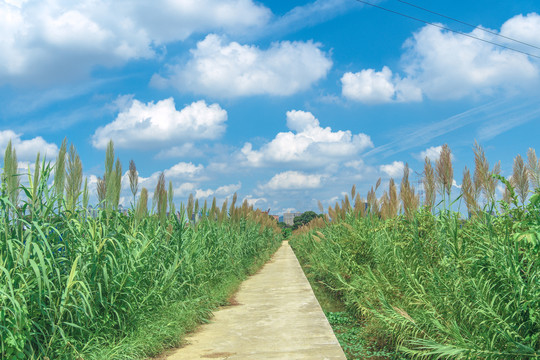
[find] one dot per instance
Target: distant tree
(304, 219)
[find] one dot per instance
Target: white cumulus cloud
(53, 40)
(27, 149)
(159, 124)
(373, 87)
(443, 65)
(222, 69)
(393, 170)
(290, 180)
(451, 66)
(308, 144)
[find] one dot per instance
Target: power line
(471, 25)
(447, 29)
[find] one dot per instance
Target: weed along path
(276, 316)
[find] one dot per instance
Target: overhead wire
(448, 29)
(470, 25)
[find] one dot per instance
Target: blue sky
(284, 102)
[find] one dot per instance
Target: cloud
(27, 149)
(224, 70)
(183, 169)
(224, 191)
(432, 153)
(158, 124)
(289, 180)
(255, 202)
(393, 170)
(451, 66)
(443, 65)
(373, 87)
(58, 40)
(309, 144)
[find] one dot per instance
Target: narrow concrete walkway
(277, 317)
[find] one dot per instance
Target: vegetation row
(80, 284)
(428, 281)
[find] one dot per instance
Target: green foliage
(438, 286)
(74, 286)
(304, 219)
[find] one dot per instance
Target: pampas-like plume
(133, 179)
(160, 197)
(407, 194)
(353, 192)
(469, 193)
(520, 178)
(429, 185)
(373, 204)
(378, 184)
(109, 177)
(60, 171)
(444, 170)
(481, 171)
(10, 177)
(332, 214)
(101, 190)
(142, 205)
(321, 208)
(534, 168)
(393, 199)
(74, 178)
(359, 206)
(233, 204)
(35, 182)
(385, 206)
(223, 213)
(117, 185)
(189, 208)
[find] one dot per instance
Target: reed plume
(407, 194)
(481, 172)
(444, 171)
(533, 165)
(60, 172)
(133, 179)
(74, 172)
(373, 204)
(359, 206)
(429, 185)
(10, 177)
(35, 182)
(520, 178)
(223, 213)
(189, 207)
(117, 189)
(101, 188)
(142, 205)
(469, 192)
(385, 206)
(393, 199)
(160, 197)
(320, 205)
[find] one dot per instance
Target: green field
(109, 284)
(426, 281)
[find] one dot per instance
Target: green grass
(115, 286)
(437, 286)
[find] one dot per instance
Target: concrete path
(277, 317)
